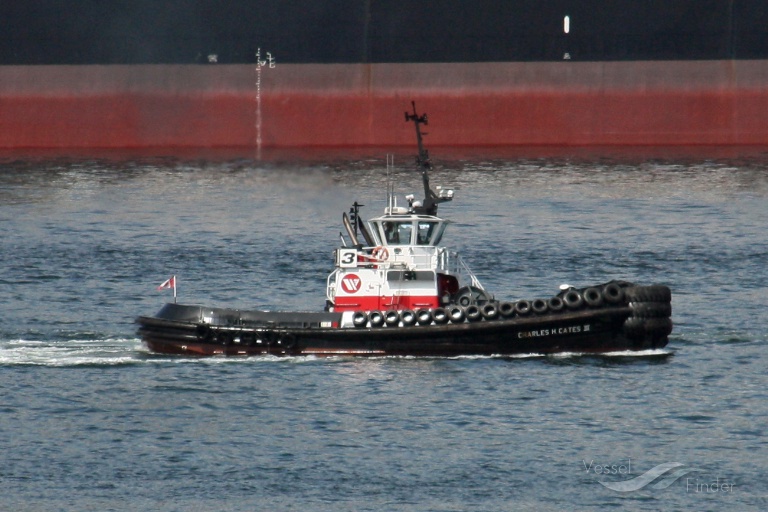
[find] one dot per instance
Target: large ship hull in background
(185, 73)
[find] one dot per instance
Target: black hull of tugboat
(640, 320)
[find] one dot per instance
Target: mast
(431, 199)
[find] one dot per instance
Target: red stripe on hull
(569, 103)
(350, 303)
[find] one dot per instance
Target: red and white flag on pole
(169, 284)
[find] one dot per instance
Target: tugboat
(395, 291)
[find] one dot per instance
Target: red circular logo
(351, 283)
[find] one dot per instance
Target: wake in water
(113, 351)
(123, 351)
(109, 352)
(656, 352)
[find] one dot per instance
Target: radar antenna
(431, 199)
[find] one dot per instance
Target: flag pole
(170, 283)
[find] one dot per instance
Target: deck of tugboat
(584, 331)
(180, 315)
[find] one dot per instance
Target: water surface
(92, 421)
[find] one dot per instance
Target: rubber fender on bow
(522, 307)
(456, 314)
(555, 304)
(424, 317)
(651, 309)
(573, 299)
(634, 328)
(658, 327)
(440, 316)
(360, 319)
(507, 309)
(392, 318)
(613, 293)
(654, 329)
(408, 317)
(593, 297)
(473, 313)
(376, 318)
(652, 293)
(490, 311)
(539, 306)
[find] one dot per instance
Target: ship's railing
(330, 286)
(406, 257)
(451, 262)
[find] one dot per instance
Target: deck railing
(439, 259)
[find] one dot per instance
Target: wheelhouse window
(439, 230)
(413, 231)
(397, 233)
(410, 275)
(424, 232)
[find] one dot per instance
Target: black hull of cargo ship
(51, 32)
(185, 73)
(639, 322)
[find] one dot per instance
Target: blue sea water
(90, 420)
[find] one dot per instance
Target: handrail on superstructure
(453, 263)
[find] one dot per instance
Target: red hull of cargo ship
(329, 105)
